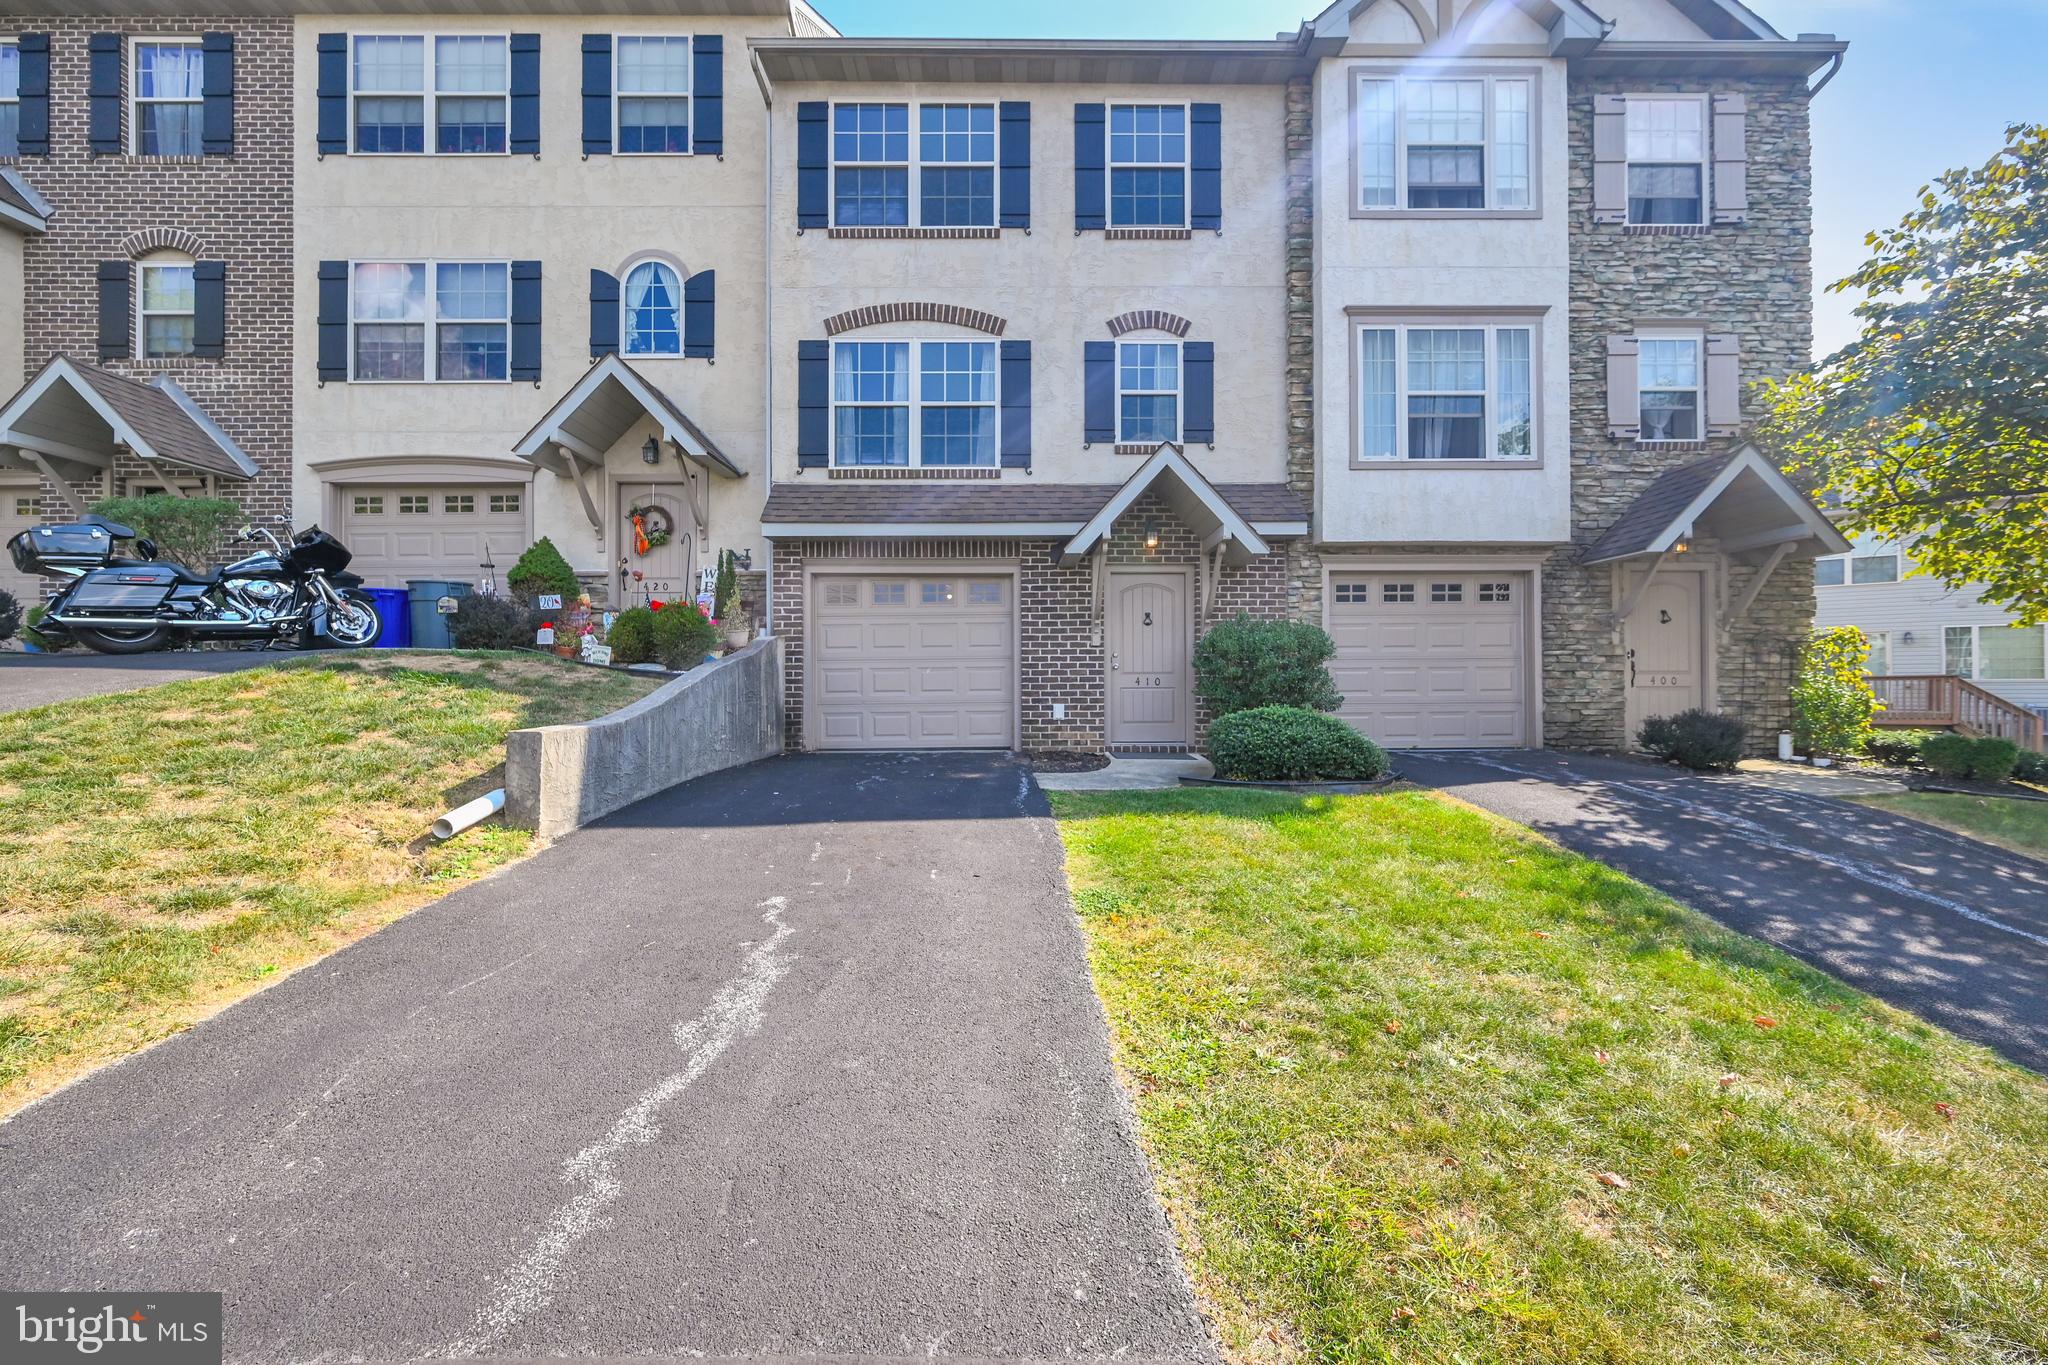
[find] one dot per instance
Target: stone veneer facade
(1304, 564)
(1755, 282)
(236, 209)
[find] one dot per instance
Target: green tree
(543, 570)
(1931, 428)
(1831, 698)
(189, 530)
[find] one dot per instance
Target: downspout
(768, 331)
(1834, 69)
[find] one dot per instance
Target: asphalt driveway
(1952, 929)
(39, 679)
(797, 1060)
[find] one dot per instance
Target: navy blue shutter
(117, 317)
(1091, 173)
(209, 309)
(526, 321)
(700, 314)
(217, 94)
(333, 321)
(333, 136)
(1016, 164)
(604, 313)
(523, 137)
(32, 116)
(1205, 166)
(597, 94)
(1098, 387)
(813, 164)
(1016, 405)
(1198, 371)
(813, 404)
(707, 109)
(103, 95)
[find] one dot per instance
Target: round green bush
(543, 570)
(1900, 748)
(632, 636)
(683, 635)
(1291, 744)
(2030, 767)
(1992, 760)
(1243, 664)
(1696, 739)
(1947, 755)
(483, 622)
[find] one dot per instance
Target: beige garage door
(1433, 660)
(17, 514)
(400, 533)
(912, 662)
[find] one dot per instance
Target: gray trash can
(429, 626)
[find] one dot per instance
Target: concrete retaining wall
(716, 716)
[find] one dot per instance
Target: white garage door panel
(1432, 659)
(912, 661)
(17, 514)
(402, 532)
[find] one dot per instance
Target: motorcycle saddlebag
(46, 549)
(125, 588)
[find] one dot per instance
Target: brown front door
(1148, 639)
(664, 569)
(1665, 649)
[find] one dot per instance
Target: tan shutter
(1724, 386)
(1610, 159)
(1731, 159)
(1624, 397)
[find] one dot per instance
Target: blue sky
(1929, 84)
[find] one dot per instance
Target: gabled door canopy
(1189, 495)
(606, 403)
(1739, 500)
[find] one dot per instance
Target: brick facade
(1753, 281)
(236, 209)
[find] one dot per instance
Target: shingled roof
(912, 502)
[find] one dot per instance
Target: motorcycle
(131, 605)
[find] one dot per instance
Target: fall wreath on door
(652, 526)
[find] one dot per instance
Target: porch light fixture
(1683, 547)
(745, 560)
(1151, 534)
(651, 452)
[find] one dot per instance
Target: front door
(660, 572)
(1665, 649)
(1148, 639)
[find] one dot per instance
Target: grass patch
(2021, 826)
(167, 851)
(1385, 1048)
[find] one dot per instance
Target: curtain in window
(653, 319)
(1376, 150)
(1379, 395)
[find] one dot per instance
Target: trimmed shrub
(725, 597)
(1900, 748)
(188, 530)
(1244, 664)
(2030, 767)
(1696, 739)
(1292, 744)
(542, 569)
(1831, 698)
(10, 615)
(1948, 755)
(1992, 760)
(493, 623)
(632, 636)
(683, 635)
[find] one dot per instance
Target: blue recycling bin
(394, 620)
(429, 626)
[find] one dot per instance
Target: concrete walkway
(798, 1060)
(1130, 775)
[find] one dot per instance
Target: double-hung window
(1994, 652)
(10, 98)
(653, 96)
(944, 177)
(457, 85)
(447, 321)
(168, 304)
(167, 98)
(946, 408)
(1431, 390)
(1148, 165)
(1669, 381)
(1870, 561)
(956, 165)
(1452, 142)
(1147, 392)
(1667, 159)
(871, 165)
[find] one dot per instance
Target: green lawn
(1419, 1086)
(2021, 826)
(165, 852)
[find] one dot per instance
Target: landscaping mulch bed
(1064, 761)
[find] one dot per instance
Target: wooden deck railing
(1943, 701)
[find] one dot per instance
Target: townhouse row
(1006, 367)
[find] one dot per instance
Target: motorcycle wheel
(358, 627)
(121, 641)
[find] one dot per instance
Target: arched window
(654, 298)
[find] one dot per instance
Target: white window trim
(618, 42)
(428, 95)
(916, 402)
(1490, 76)
(1179, 389)
(1860, 549)
(143, 312)
(1976, 670)
(1877, 640)
(1706, 161)
(626, 312)
(430, 367)
(14, 41)
(1110, 166)
(1492, 324)
(133, 73)
(1698, 337)
(914, 167)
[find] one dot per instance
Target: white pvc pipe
(462, 817)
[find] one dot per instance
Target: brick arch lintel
(1149, 319)
(952, 315)
(136, 245)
